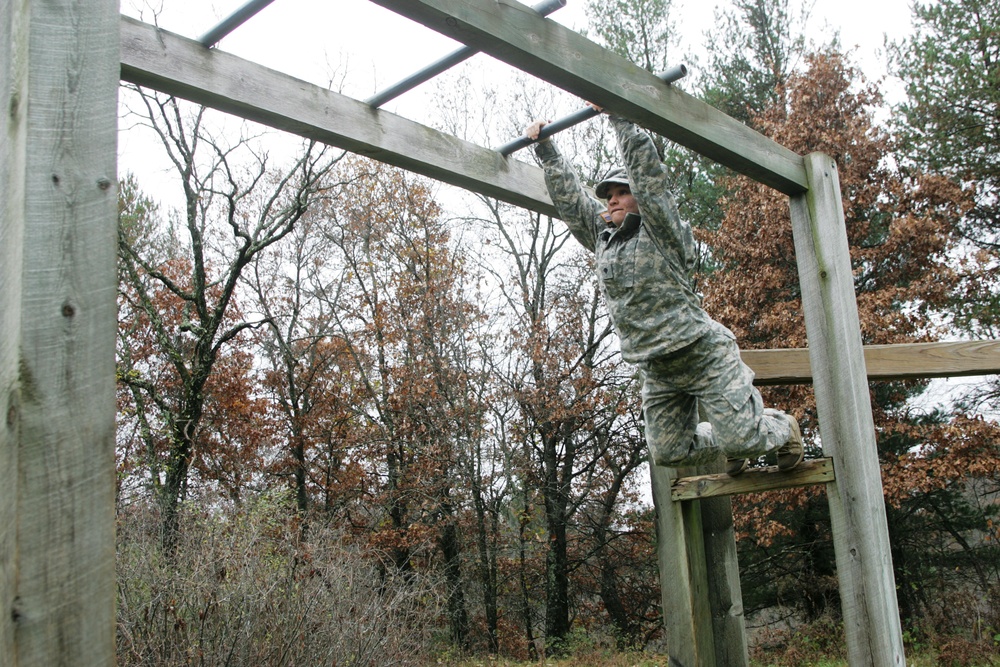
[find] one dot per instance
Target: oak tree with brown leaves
(400, 302)
(901, 228)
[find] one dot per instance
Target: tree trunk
(451, 550)
(529, 632)
(487, 569)
(557, 556)
(175, 481)
(299, 472)
(627, 632)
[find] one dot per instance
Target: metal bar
(669, 76)
(183, 67)
(235, 20)
(464, 53)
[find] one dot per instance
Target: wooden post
(860, 532)
(699, 577)
(683, 577)
(58, 92)
(725, 597)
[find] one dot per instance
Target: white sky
(360, 48)
(375, 47)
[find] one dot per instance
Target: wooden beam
(909, 361)
(14, 31)
(847, 429)
(754, 480)
(58, 92)
(722, 565)
(513, 33)
(183, 67)
(684, 584)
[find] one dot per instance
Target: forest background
(364, 420)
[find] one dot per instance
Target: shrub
(243, 588)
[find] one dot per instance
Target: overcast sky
(370, 48)
(373, 47)
(361, 48)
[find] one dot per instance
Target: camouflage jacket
(645, 265)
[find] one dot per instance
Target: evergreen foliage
(950, 119)
(949, 124)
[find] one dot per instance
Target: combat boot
(792, 452)
(736, 466)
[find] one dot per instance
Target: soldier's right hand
(532, 130)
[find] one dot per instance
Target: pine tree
(951, 116)
(950, 124)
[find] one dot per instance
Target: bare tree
(305, 374)
(561, 368)
(235, 206)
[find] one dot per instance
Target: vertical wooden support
(699, 577)
(11, 244)
(58, 95)
(683, 576)
(861, 536)
(725, 595)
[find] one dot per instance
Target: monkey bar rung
(544, 8)
(234, 21)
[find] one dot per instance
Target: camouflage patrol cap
(617, 176)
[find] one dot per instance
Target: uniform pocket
(737, 392)
(617, 269)
(735, 377)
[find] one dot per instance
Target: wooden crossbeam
(173, 64)
(514, 33)
(754, 480)
(884, 362)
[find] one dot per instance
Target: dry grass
(244, 589)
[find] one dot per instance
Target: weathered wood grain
(857, 508)
(58, 90)
(14, 31)
(183, 67)
(684, 589)
(754, 480)
(908, 361)
(513, 33)
(722, 570)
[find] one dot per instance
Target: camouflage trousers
(699, 404)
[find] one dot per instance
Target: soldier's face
(620, 203)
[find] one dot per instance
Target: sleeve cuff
(546, 150)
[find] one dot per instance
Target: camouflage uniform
(690, 364)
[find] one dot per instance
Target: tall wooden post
(857, 507)
(58, 94)
(683, 577)
(725, 595)
(699, 577)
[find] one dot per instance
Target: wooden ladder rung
(810, 471)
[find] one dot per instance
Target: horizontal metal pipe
(392, 92)
(669, 76)
(235, 20)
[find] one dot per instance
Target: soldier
(689, 364)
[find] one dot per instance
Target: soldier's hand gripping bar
(669, 76)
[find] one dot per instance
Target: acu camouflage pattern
(645, 265)
(689, 362)
(700, 403)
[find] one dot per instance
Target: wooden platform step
(810, 471)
